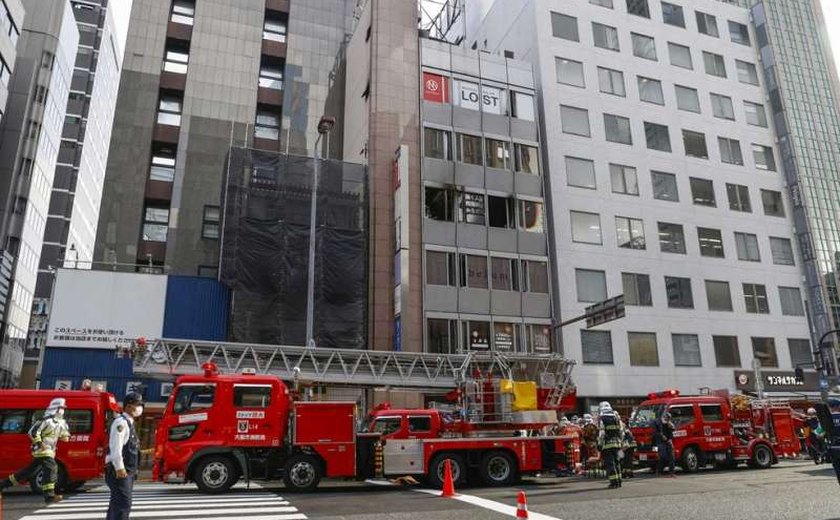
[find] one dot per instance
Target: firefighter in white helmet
(610, 439)
(45, 435)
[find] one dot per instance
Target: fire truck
(232, 415)
(717, 429)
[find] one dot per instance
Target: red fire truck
(218, 428)
(717, 429)
(80, 459)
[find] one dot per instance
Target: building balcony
(270, 96)
(173, 81)
(166, 133)
(277, 5)
(179, 31)
(159, 191)
(156, 249)
(274, 49)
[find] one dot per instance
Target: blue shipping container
(196, 308)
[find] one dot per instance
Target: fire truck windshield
(645, 415)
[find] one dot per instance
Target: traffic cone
(448, 484)
(521, 505)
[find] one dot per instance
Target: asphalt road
(792, 490)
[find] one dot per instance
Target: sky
(831, 8)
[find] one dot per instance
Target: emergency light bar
(664, 393)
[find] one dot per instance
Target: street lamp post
(324, 126)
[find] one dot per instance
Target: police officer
(610, 439)
(123, 458)
(829, 417)
(45, 435)
(630, 446)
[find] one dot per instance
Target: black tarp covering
(265, 249)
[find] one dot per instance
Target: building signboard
(435, 88)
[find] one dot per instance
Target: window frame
(714, 64)
(635, 233)
(208, 223)
(707, 24)
(643, 83)
(618, 125)
(717, 249)
(630, 346)
(641, 43)
(580, 214)
(683, 298)
(654, 174)
(680, 248)
(613, 78)
(619, 174)
(691, 140)
(720, 351)
(679, 47)
(608, 32)
(568, 110)
(717, 306)
(755, 298)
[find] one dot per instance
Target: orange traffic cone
(521, 506)
(448, 484)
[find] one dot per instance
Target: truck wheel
(302, 472)
(498, 468)
(690, 461)
(762, 457)
(215, 474)
(437, 468)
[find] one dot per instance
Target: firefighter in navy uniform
(630, 446)
(123, 458)
(610, 439)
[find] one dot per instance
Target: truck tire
(302, 472)
(762, 457)
(690, 461)
(498, 468)
(435, 471)
(215, 474)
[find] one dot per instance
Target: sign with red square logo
(435, 88)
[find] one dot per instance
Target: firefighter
(663, 436)
(816, 442)
(123, 458)
(610, 439)
(590, 438)
(45, 435)
(629, 453)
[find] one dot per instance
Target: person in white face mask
(123, 458)
(45, 435)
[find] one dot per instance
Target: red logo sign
(435, 88)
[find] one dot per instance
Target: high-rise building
(665, 184)
(31, 136)
(198, 77)
(11, 20)
(80, 170)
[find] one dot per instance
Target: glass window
(643, 351)
(497, 154)
(611, 81)
(687, 99)
(672, 14)
(638, 8)
(440, 204)
(580, 172)
(251, 396)
(527, 158)
(722, 107)
(711, 243)
(267, 126)
(800, 353)
(474, 271)
(13, 421)
(623, 179)
(169, 110)
(756, 115)
(695, 144)
(739, 197)
(521, 105)
(574, 120)
(476, 335)
(591, 285)
(739, 33)
(436, 144)
(506, 337)
(163, 165)
(650, 90)
(714, 63)
(747, 72)
(791, 299)
(764, 350)
(657, 137)
(536, 273)
(539, 338)
(469, 149)
(596, 347)
(156, 224)
(210, 222)
(726, 351)
(602, 3)
(569, 72)
(419, 424)
(747, 247)
(679, 292)
(501, 212)
(442, 336)
(682, 415)
(718, 296)
(671, 238)
(274, 29)
(629, 233)
(193, 397)
(586, 227)
(176, 59)
(680, 56)
(605, 37)
(772, 201)
(755, 298)
(686, 350)
(617, 129)
(183, 11)
(707, 24)
(711, 412)
(781, 250)
(730, 151)
(643, 46)
(636, 289)
(505, 273)
(702, 192)
(763, 157)
(271, 77)
(440, 268)
(665, 186)
(387, 425)
(531, 217)
(564, 26)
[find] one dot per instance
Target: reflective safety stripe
(13, 480)
(48, 487)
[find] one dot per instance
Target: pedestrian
(830, 417)
(123, 458)
(610, 438)
(44, 435)
(663, 435)
(630, 446)
(816, 442)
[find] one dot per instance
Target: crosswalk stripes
(161, 502)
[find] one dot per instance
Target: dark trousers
(49, 475)
(666, 456)
(119, 506)
(834, 451)
(627, 462)
(612, 465)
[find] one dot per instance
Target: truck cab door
(686, 426)
(715, 427)
(192, 418)
(255, 422)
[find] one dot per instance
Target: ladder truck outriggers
(232, 416)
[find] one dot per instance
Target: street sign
(605, 311)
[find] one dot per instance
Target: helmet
(132, 398)
(604, 408)
(587, 418)
(812, 411)
(54, 406)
